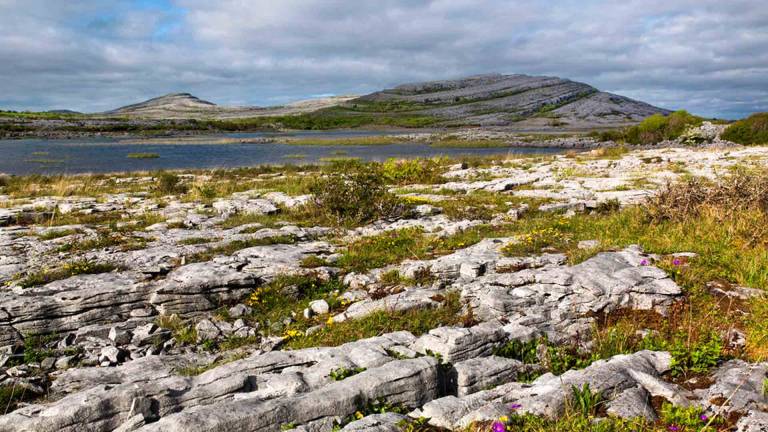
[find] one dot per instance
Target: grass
(361, 140)
(453, 142)
(416, 321)
(69, 269)
(234, 246)
(143, 156)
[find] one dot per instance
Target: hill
(506, 100)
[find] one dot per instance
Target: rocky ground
(217, 302)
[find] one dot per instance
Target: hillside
(187, 106)
(506, 100)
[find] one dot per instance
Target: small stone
(65, 362)
(239, 310)
(240, 323)
(207, 330)
(67, 341)
(48, 363)
(307, 313)
(319, 307)
(111, 354)
(120, 337)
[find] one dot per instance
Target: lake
(105, 155)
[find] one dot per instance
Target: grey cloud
(704, 55)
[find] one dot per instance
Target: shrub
(343, 373)
(169, 184)
(658, 127)
(408, 171)
(687, 419)
(752, 130)
(742, 190)
(355, 193)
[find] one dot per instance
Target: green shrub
(343, 373)
(750, 131)
(409, 171)
(689, 356)
(688, 419)
(355, 193)
(658, 127)
(169, 184)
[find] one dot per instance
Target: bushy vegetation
(356, 193)
(749, 131)
(410, 171)
(170, 184)
(653, 129)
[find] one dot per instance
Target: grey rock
(632, 403)
(120, 337)
(112, 355)
(456, 344)
(319, 307)
(387, 422)
(207, 330)
(754, 421)
(481, 373)
(739, 383)
(239, 310)
(656, 387)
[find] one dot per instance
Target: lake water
(102, 155)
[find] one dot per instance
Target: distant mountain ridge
(503, 100)
(516, 101)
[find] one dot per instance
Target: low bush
(739, 191)
(355, 193)
(169, 184)
(409, 171)
(750, 131)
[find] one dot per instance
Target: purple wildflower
(704, 417)
(498, 427)
(515, 406)
(672, 428)
(644, 262)
(676, 261)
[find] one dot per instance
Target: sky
(709, 57)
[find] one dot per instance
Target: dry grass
(742, 190)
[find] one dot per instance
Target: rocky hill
(506, 100)
(187, 106)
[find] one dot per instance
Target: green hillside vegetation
(653, 129)
(749, 131)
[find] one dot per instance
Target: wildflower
(676, 262)
(644, 262)
(503, 419)
(330, 321)
(515, 406)
(703, 417)
(359, 415)
(498, 427)
(673, 428)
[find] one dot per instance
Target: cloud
(703, 55)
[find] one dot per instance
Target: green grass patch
(69, 269)
(143, 156)
(416, 321)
